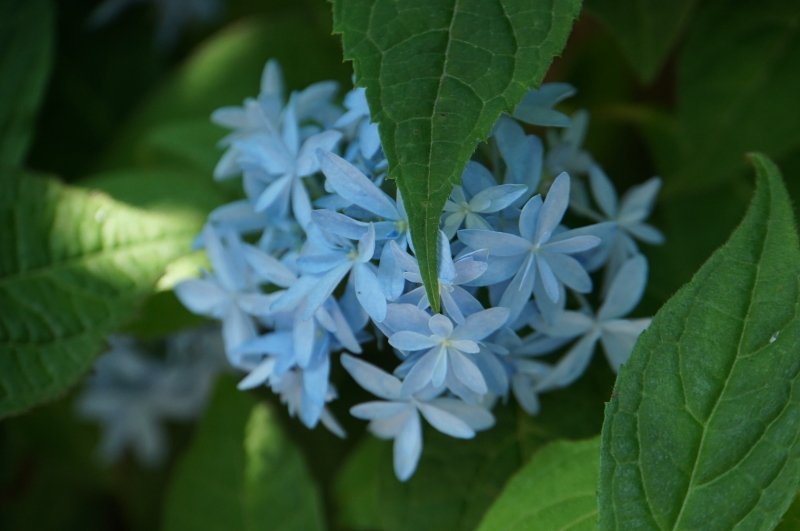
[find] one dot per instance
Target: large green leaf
(555, 491)
(74, 265)
(702, 430)
(242, 473)
(457, 480)
(438, 75)
(26, 46)
(646, 29)
(737, 89)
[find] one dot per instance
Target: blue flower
(566, 149)
(357, 115)
(285, 160)
(293, 388)
(398, 416)
(537, 106)
(482, 200)
(456, 301)
(445, 360)
(228, 293)
(523, 155)
(546, 264)
(616, 334)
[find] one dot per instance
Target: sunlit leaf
(74, 265)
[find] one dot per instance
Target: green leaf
(457, 480)
(74, 265)
(646, 29)
(438, 75)
(26, 49)
(737, 89)
(702, 431)
(242, 473)
(791, 520)
(555, 491)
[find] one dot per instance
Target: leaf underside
(702, 431)
(73, 266)
(438, 74)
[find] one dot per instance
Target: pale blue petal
(569, 271)
(499, 197)
(319, 264)
(407, 317)
(554, 207)
(476, 177)
(324, 288)
(547, 277)
(268, 268)
(646, 233)
(445, 422)
(468, 268)
(571, 366)
(303, 336)
(440, 325)
(549, 309)
(301, 203)
(411, 341)
(390, 272)
(625, 290)
(466, 371)
(308, 152)
(500, 269)
(498, 243)
(576, 244)
(519, 290)
(638, 201)
(278, 190)
(354, 186)
(315, 387)
(571, 324)
(619, 337)
(422, 372)
(603, 191)
(378, 410)
(203, 297)
(447, 269)
(481, 324)
(529, 218)
(522, 387)
(371, 378)
(408, 447)
(369, 292)
(366, 245)
(340, 224)
(258, 376)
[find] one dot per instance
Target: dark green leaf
(242, 473)
(438, 74)
(26, 47)
(737, 89)
(74, 265)
(646, 29)
(702, 431)
(555, 491)
(791, 520)
(457, 480)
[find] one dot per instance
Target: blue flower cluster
(133, 393)
(318, 259)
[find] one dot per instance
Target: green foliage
(74, 265)
(173, 122)
(457, 480)
(646, 29)
(26, 46)
(242, 473)
(701, 432)
(791, 520)
(555, 491)
(438, 75)
(737, 89)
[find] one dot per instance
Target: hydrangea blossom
(329, 265)
(398, 416)
(131, 394)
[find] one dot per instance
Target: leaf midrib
(733, 365)
(88, 257)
